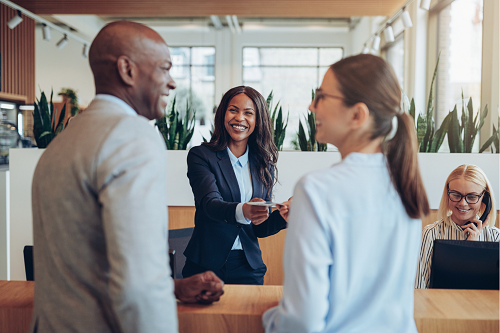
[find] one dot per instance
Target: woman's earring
(449, 213)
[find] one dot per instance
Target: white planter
(291, 167)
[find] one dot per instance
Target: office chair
(28, 262)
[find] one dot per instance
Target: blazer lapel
(228, 172)
(257, 187)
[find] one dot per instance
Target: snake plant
(177, 132)
(462, 134)
(305, 143)
(493, 141)
(45, 127)
(278, 125)
(73, 99)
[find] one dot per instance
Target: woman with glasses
(465, 197)
(228, 176)
(352, 243)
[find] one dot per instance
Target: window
(460, 43)
(193, 69)
(292, 74)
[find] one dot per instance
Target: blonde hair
(474, 174)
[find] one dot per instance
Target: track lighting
(425, 4)
(405, 17)
(376, 43)
(46, 32)
(85, 52)
(365, 49)
(14, 22)
(62, 43)
(388, 34)
(236, 24)
(216, 22)
(229, 20)
(47, 27)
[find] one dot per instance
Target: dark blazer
(216, 194)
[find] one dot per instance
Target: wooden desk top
(241, 307)
(17, 294)
(460, 311)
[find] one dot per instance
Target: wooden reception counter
(241, 308)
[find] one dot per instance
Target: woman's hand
(474, 231)
(284, 208)
(256, 214)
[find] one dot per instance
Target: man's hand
(202, 288)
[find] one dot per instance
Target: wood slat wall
(191, 8)
(17, 49)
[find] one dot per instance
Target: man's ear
(127, 70)
(359, 115)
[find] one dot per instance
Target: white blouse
(350, 254)
(444, 230)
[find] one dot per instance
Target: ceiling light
(216, 22)
(376, 43)
(236, 24)
(389, 34)
(62, 43)
(425, 4)
(14, 22)
(85, 52)
(230, 23)
(406, 19)
(7, 106)
(46, 32)
(365, 49)
(27, 107)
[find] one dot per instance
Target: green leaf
(412, 109)
(421, 130)
(454, 138)
(488, 143)
(301, 136)
(269, 100)
(438, 139)
(483, 117)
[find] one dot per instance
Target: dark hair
(261, 143)
(368, 79)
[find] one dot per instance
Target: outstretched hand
(204, 288)
(284, 208)
(256, 214)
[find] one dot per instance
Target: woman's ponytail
(368, 79)
(402, 158)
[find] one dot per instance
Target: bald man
(99, 202)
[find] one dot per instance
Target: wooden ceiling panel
(192, 8)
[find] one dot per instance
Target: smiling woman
(466, 195)
(235, 167)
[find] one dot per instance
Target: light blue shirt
(242, 172)
(350, 254)
(110, 98)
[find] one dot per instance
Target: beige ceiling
(194, 8)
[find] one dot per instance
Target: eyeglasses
(470, 198)
(319, 95)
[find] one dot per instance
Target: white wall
(67, 68)
(4, 226)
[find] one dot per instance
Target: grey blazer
(100, 228)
